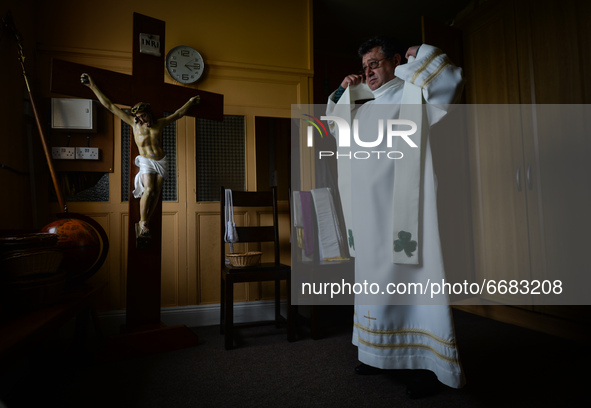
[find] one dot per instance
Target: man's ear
(397, 59)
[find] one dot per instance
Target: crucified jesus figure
(152, 163)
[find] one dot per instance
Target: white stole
(231, 235)
(406, 245)
(408, 189)
(343, 110)
(408, 174)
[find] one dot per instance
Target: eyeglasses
(372, 65)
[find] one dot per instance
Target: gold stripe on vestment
(399, 332)
(452, 360)
(434, 75)
(425, 65)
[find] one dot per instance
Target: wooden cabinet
(530, 180)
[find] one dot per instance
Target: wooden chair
(268, 271)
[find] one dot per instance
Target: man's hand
(412, 51)
(352, 79)
(195, 100)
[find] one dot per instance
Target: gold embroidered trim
(398, 332)
(425, 65)
(439, 355)
(434, 75)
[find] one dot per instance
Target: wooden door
(499, 196)
(554, 75)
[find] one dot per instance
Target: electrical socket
(63, 153)
(87, 153)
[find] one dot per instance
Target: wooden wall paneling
(114, 280)
(118, 237)
(491, 58)
(192, 224)
(111, 293)
(104, 273)
(123, 232)
(170, 259)
(556, 32)
(183, 128)
(206, 253)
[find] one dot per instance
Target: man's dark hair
(390, 46)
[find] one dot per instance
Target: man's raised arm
(441, 81)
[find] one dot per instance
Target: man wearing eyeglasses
(390, 335)
(378, 69)
(152, 163)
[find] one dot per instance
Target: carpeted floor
(506, 366)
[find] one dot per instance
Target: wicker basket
(251, 258)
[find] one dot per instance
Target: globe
(79, 243)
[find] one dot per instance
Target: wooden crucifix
(146, 84)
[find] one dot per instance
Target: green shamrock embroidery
(405, 244)
(351, 241)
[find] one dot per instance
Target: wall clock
(184, 64)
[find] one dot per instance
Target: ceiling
(340, 26)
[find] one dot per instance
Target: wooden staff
(8, 23)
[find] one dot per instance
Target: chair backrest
(252, 233)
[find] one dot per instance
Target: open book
(318, 226)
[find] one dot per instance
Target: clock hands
(193, 65)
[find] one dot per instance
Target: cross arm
(210, 106)
(65, 79)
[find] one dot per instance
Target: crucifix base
(150, 340)
(142, 241)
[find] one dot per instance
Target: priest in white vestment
(394, 336)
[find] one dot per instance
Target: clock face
(184, 64)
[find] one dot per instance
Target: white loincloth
(148, 166)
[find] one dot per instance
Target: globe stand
(78, 278)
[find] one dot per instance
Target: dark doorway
(273, 156)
